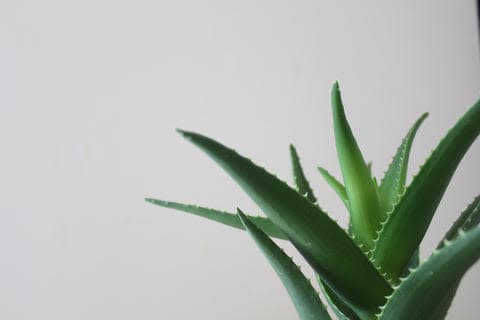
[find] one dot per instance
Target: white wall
(90, 94)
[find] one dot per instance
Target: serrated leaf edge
(447, 243)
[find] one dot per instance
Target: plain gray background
(90, 95)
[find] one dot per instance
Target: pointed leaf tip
(303, 295)
(412, 215)
(223, 217)
(335, 86)
(185, 134)
(242, 216)
(301, 181)
(317, 237)
(392, 185)
(364, 204)
(335, 184)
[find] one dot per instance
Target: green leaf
(412, 263)
(335, 185)
(226, 218)
(299, 176)
(407, 224)
(304, 297)
(422, 294)
(468, 219)
(339, 308)
(393, 183)
(325, 245)
(364, 204)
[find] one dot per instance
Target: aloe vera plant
(371, 270)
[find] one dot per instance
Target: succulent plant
(372, 269)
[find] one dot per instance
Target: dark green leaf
(304, 297)
(412, 263)
(339, 308)
(422, 295)
(326, 246)
(408, 223)
(226, 218)
(393, 183)
(299, 176)
(468, 219)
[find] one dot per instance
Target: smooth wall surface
(90, 95)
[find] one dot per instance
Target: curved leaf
(406, 225)
(364, 204)
(223, 217)
(339, 308)
(468, 219)
(393, 183)
(326, 246)
(422, 294)
(304, 297)
(299, 176)
(336, 185)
